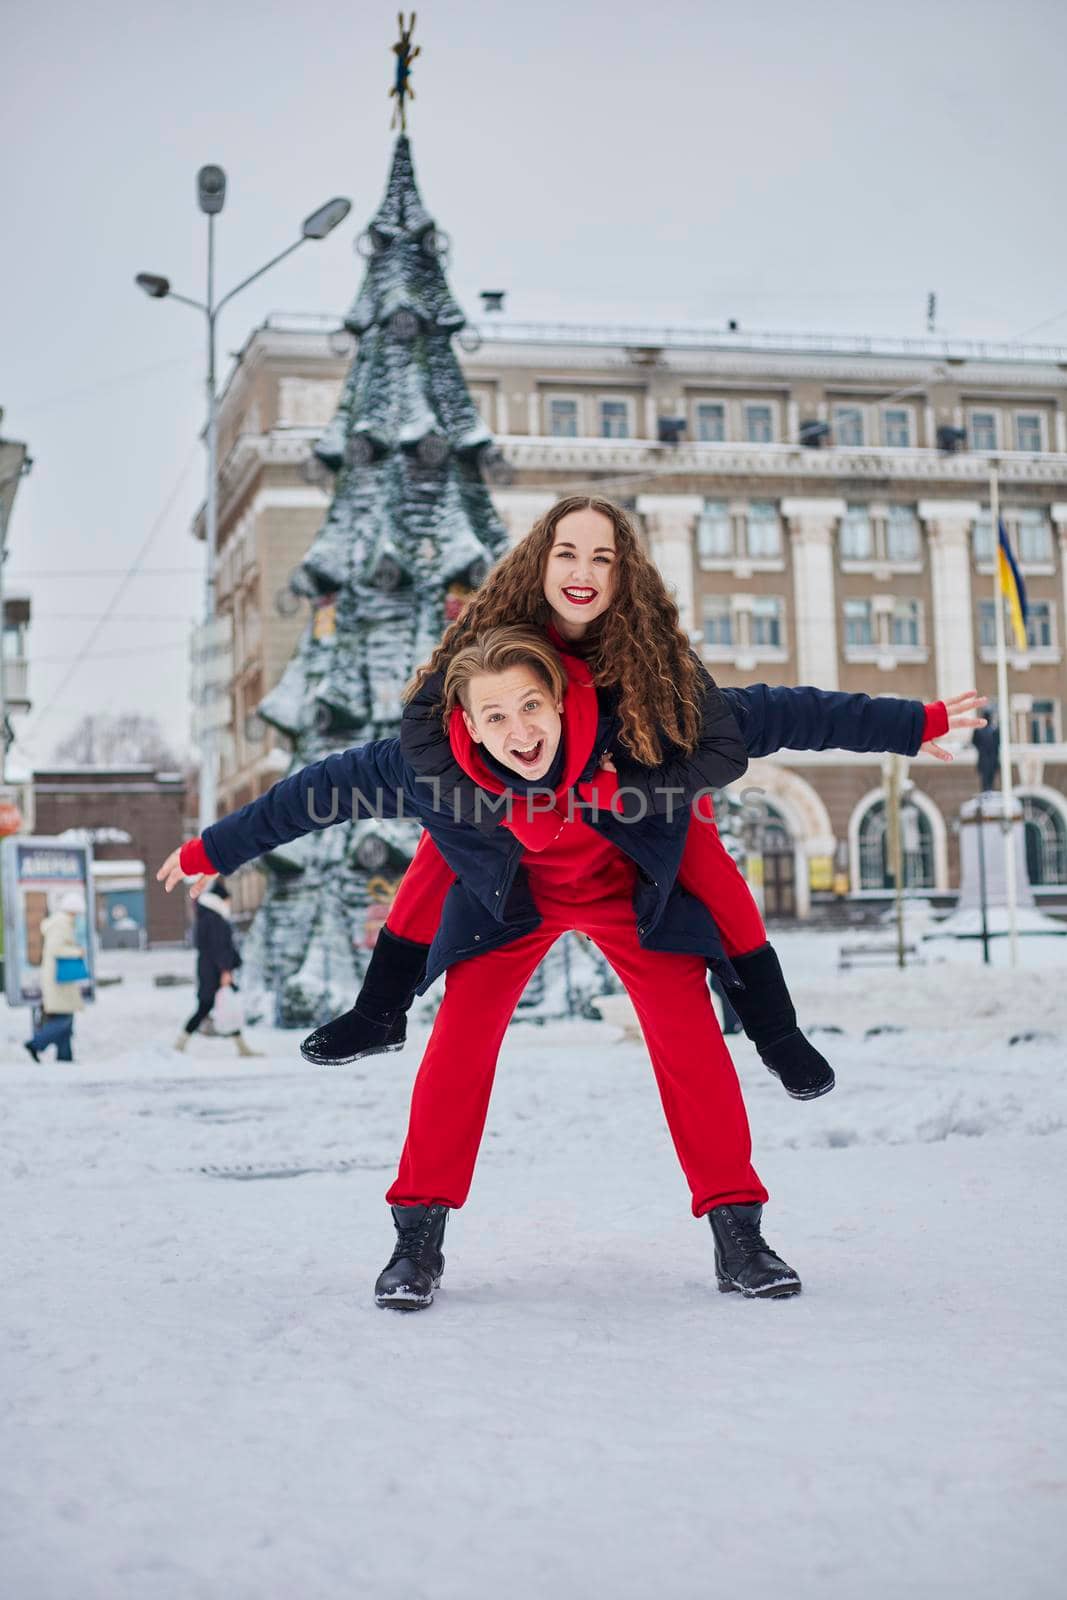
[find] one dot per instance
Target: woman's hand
(170, 873)
(963, 712)
(607, 763)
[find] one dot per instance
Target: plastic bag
(71, 969)
(228, 1012)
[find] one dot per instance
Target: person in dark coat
(217, 959)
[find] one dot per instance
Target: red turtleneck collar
(535, 824)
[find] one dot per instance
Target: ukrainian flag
(1012, 587)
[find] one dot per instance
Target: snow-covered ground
(200, 1400)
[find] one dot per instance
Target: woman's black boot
(769, 1018)
(378, 1020)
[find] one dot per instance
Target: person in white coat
(59, 1001)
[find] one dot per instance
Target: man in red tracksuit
(506, 733)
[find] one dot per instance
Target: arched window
(779, 879)
(918, 842)
(1046, 841)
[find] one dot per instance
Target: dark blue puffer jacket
(491, 904)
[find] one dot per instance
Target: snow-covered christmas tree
(411, 531)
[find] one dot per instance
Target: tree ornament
(403, 324)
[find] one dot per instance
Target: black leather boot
(744, 1260)
(413, 1271)
(769, 1018)
(378, 1020)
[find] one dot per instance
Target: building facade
(819, 507)
(15, 462)
(132, 817)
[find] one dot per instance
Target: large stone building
(819, 505)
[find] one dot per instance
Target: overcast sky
(800, 165)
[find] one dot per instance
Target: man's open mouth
(531, 755)
(580, 597)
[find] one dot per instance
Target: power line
(131, 573)
(103, 572)
(1037, 326)
(140, 616)
(114, 382)
(112, 655)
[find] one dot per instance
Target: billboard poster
(37, 873)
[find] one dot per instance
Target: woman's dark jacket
(491, 904)
(216, 951)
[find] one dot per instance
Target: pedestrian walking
(63, 970)
(217, 959)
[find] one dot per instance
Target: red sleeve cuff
(936, 722)
(194, 858)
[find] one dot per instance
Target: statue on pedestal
(987, 743)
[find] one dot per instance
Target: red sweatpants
(697, 1082)
(708, 871)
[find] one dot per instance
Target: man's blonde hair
(497, 650)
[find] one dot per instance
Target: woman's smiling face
(579, 580)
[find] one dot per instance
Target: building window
(718, 621)
(917, 845)
(896, 428)
(1039, 625)
(13, 643)
(715, 534)
(766, 622)
(711, 422)
(1035, 537)
(905, 624)
(983, 430)
(985, 546)
(848, 425)
(764, 533)
(1028, 431)
(1041, 722)
(759, 424)
(563, 419)
(859, 626)
(614, 419)
(1046, 842)
(987, 624)
(902, 534)
(857, 535)
(483, 402)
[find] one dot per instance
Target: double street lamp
(211, 197)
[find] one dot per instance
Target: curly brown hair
(636, 647)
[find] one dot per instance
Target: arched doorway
(779, 864)
(918, 844)
(1046, 842)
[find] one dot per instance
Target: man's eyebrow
(489, 705)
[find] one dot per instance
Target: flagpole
(1007, 792)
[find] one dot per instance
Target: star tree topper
(405, 55)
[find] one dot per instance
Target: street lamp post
(211, 197)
